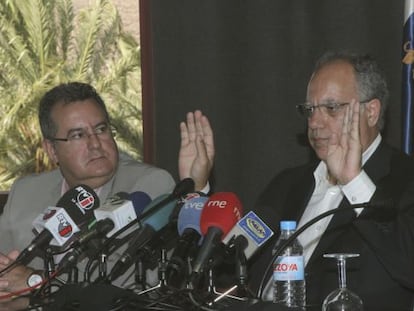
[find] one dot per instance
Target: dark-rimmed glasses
(103, 130)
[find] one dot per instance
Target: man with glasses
(79, 139)
(345, 103)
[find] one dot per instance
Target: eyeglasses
(103, 130)
(331, 109)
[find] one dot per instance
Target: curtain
(246, 64)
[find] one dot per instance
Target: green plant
(44, 43)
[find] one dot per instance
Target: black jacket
(383, 275)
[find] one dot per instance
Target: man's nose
(93, 140)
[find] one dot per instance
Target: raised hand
(344, 158)
(196, 156)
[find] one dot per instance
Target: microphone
(74, 210)
(188, 225)
(249, 234)
(243, 240)
(182, 188)
(116, 213)
(219, 215)
(154, 217)
(122, 208)
(386, 205)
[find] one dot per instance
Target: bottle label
(289, 268)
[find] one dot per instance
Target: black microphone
(387, 205)
(188, 225)
(181, 188)
(152, 223)
(116, 212)
(74, 210)
(86, 243)
(155, 217)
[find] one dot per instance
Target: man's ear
(373, 109)
(49, 148)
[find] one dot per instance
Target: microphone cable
(183, 187)
(294, 235)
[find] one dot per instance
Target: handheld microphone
(250, 233)
(219, 215)
(117, 212)
(190, 213)
(122, 208)
(243, 240)
(182, 188)
(188, 225)
(75, 209)
(152, 223)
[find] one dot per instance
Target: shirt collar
(65, 187)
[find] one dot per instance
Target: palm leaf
(43, 43)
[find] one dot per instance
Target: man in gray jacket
(79, 139)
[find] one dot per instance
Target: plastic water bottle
(289, 286)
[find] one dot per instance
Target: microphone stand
(50, 268)
(103, 266)
(241, 265)
(212, 289)
(73, 275)
(162, 267)
(140, 276)
(183, 187)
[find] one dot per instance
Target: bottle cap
(288, 225)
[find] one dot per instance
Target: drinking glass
(342, 299)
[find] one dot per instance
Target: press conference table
(102, 297)
(261, 306)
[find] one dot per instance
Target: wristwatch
(35, 278)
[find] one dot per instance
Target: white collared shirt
(326, 197)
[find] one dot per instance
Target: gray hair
(370, 78)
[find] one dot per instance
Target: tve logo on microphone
(193, 201)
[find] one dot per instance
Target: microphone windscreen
(79, 201)
(183, 187)
(222, 211)
(190, 213)
(122, 208)
(161, 216)
(57, 225)
(140, 200)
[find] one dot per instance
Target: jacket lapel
(376, 167)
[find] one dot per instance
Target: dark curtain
(246, 65)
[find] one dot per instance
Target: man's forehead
(331, 85)
(78, 114)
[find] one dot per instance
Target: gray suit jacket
(30, 195)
